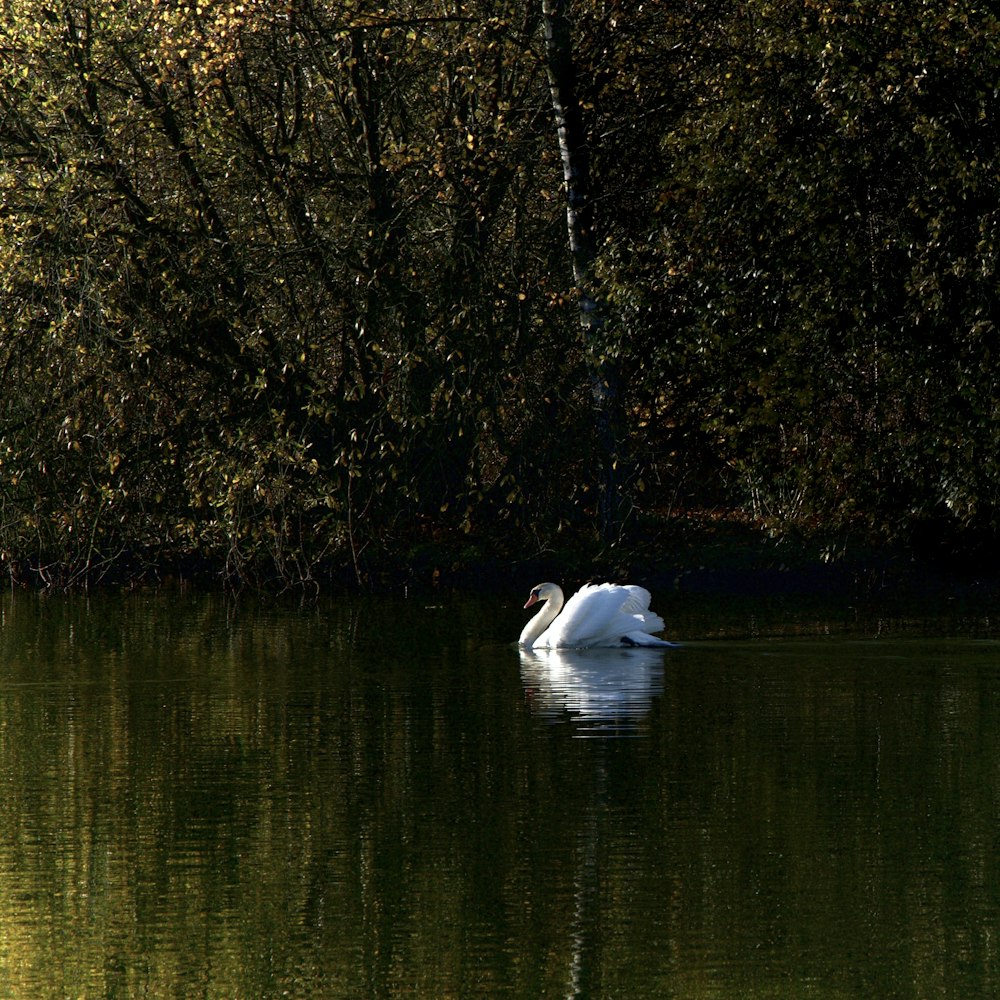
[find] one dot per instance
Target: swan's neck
(546, 615)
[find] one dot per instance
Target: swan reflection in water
(607, 692)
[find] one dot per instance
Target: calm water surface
(384, 799)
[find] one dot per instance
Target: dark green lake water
(384, 799)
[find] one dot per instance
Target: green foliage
(269, 278)
(285, 290)
(821, 268)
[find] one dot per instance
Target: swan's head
(543, 592)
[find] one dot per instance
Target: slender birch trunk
(573, 148)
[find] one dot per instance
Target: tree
(601, 366)
(821, 252)
(256, 266)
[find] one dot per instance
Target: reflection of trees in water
(351, 801)
(603, 694)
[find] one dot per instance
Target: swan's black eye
(535, 592)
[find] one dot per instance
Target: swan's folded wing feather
(636, 600)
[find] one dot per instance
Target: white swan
(599, 614)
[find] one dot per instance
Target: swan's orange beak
(531, 600)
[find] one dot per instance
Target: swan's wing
(638, 607)
(578, 617)
(637, 601)
(602, 614)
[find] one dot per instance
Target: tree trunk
(603, 372)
